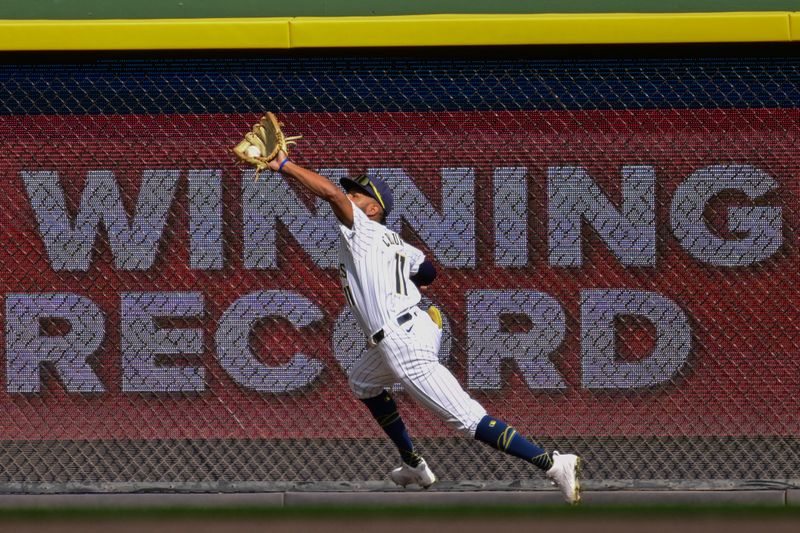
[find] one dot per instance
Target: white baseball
(253, 151)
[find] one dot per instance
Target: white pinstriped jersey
(374, 267)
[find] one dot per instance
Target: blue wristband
(280, 168)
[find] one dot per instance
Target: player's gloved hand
(263, 144)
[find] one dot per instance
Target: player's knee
(463, 425)
(459, 427)
(361, 390)
(415, 371)
(355, 387)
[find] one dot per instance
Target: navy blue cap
(374, 188)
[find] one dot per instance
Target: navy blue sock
(503, 437)
(385, 412)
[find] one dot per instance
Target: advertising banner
(601, 272)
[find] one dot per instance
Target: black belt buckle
(378, 337)
(403, 319)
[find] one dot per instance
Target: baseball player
(379, 275)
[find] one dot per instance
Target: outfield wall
(616, 231)
(617, 242)
(399, 31)
(181, 9)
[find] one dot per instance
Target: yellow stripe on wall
(391, 31)
(144, 34)
(438, 30)
(794, 26)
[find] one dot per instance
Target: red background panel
(742, 377)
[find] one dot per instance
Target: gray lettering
(510, 217)
(269, 200)
(488, 346)
(451, 234)
(69, 246)
(762, 225)
(141, 342)
(27, 347)
(601, 369)
(629, 232)
(205, 219)
(238, 359)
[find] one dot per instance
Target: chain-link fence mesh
(616, 243)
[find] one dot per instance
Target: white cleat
(565, 474)
(408, 475)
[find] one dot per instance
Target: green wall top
(157, 9)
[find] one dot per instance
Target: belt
(402, 319)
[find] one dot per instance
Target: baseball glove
(262, 144)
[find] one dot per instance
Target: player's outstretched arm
(319, 185)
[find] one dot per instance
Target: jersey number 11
(399, 272)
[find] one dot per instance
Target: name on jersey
(391, 238)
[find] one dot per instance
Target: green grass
(399, 512)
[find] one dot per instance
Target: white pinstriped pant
(408, 354)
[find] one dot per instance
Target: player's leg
(368, 379)
(414, 469)
(503, 437)
(414, 358)
(384, 411)
(411, 353)
(563, 470)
